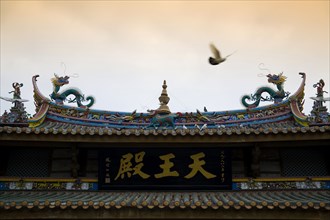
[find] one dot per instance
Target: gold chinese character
(137, 168)
(126, 166)
(197, 166)
(166, 166)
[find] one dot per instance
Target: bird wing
(231, 54)
(215, 51)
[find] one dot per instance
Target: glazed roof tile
(289, 199)
(66, 129)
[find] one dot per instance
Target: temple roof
(284, 116)
(282, 110)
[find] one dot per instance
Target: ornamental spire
(164, 99)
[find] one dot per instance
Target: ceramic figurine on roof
(17, 90)
(319, 93)
(16, 94)
(162, 120)
(276, 96)
(17, 113)
(59, 98)
(319, 112)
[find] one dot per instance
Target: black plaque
(165, 168)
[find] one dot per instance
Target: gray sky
(123, 50)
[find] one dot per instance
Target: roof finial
(164, 99)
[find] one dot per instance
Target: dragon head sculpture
(60, 81)
(276, 79)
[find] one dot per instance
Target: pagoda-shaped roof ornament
(164, 99)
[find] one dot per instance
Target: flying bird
(217, 59)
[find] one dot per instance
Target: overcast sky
(123, 50)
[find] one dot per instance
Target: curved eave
(300, 92)
(39, 118)
(42, 104)
(299, 117)
(295, 102)
(39, 98)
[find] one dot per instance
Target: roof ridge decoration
(276, 96)
(319, 113)
(59, 98)
(164, 99)
(162, 117)
(282, 112)
(17, 114)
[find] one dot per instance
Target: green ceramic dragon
(276, 96)
(59, 98)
